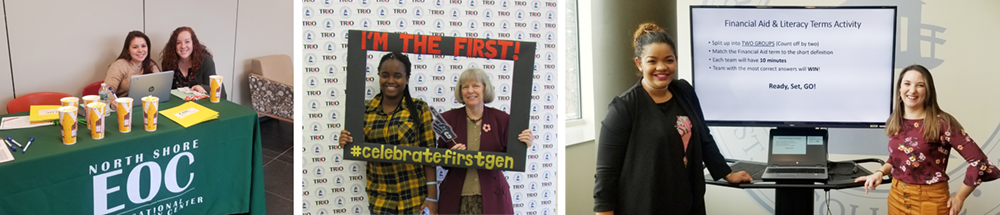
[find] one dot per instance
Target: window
(573, 100)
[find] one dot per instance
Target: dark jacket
(201, 76)
(495, 190)
(639, 171)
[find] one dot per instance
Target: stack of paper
(189, 114)
(15, 122)
(44, 113)
(5, 155)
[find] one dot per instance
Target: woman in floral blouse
(921, 137)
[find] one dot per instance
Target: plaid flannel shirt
(395, 188)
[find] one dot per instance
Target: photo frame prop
(522, 53)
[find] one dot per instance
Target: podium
(796, 197)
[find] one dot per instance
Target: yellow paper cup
(70, 101)
(86, 101)
(67, 123)
(95, 116)
(124, 114)
(150, 105)
(215, 93)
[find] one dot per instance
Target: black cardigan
(202, 76)
(638, 172)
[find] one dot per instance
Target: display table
(213, 167)
(797, 197)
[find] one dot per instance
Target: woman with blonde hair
(478, 128)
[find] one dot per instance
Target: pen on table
(26, 145)
(15, 142)
(9, 145)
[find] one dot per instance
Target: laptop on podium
(155, 84)
(797, 154)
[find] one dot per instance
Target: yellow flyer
(44, 113)
(189, 114)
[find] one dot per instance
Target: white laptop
(155, 84)
(797, 154)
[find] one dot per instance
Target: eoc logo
(150, 173)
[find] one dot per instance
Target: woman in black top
(654, 140)
(190, 60)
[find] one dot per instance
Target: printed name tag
(185, 113)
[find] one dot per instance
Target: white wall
(63, 45)
(953, 40)
(964, 79)
(263, 27)
(6, 82)
(214, 22)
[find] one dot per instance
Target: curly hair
(169, 55)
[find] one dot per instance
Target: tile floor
(277, 142)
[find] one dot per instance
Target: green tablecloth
(213, 167)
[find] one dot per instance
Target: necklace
(474, 120)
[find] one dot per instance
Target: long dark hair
(148, 63)
(395, 55)
(169, 55)
(932, 112)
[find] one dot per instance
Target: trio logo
(454, 13)
(472, 26)
(330, 48)
(366, 24)
(418, 12)
(308, 36)
(420, 78)
(401, 24)
(328, 24)
(505, 25)
(382, 12)
(307, 13)
(488, 14)
(345, 12)
(331, 70)
(310, 59)
(438, 25)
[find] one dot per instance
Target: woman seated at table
(190, 60)
(133, 60)
(479, 128)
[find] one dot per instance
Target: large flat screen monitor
(794, 66)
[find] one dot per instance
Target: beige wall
(63, 45)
